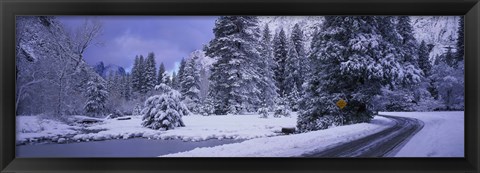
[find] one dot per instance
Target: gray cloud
(170, 37)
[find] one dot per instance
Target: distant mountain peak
(110, 69)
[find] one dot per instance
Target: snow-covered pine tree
(167, 80)
(137, 74)
(97, 95)
(208, 107)
(234, 79)
(161, 74)
(137, 110)
(126, 87)
(449, 57)
(267, 64)
(174, 82)
(400, 96)
(150, 73)
(292, 77)
(280, 53)
(424, 59)
(293, 98)
(408, 42)
(164, 111)
(427, 84)
(204, 84)
(191, 86)
(139, 79)
(298, 41)
(459, 55)
(350, 61)
(180, 74)
(114, 88)
(406, 92)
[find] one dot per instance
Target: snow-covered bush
(236, 109)
(164, 111)
(424, 99)
(263, 112)
(327, 121)
(207, 109)
(281, 110)
(397, 100)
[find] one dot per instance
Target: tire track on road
(381, 144)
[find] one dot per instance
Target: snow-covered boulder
(115, 114)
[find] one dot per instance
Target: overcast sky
(170, 37)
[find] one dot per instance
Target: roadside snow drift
(291, 145)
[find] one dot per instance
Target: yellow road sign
(341, 103)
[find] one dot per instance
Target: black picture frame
(11, 8)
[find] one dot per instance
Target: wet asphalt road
(385, 143)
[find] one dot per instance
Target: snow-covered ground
(291, 145)
(443, 135)
(197, 128)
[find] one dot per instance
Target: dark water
(137, 147)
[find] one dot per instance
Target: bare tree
(24, 87)
(86, 35)
(82, 37)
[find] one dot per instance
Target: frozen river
(137, 147)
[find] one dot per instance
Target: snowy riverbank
(31, 129)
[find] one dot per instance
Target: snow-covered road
(380, 144)
(442, 135)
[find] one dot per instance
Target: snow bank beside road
(291, 145)
(443, 135)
